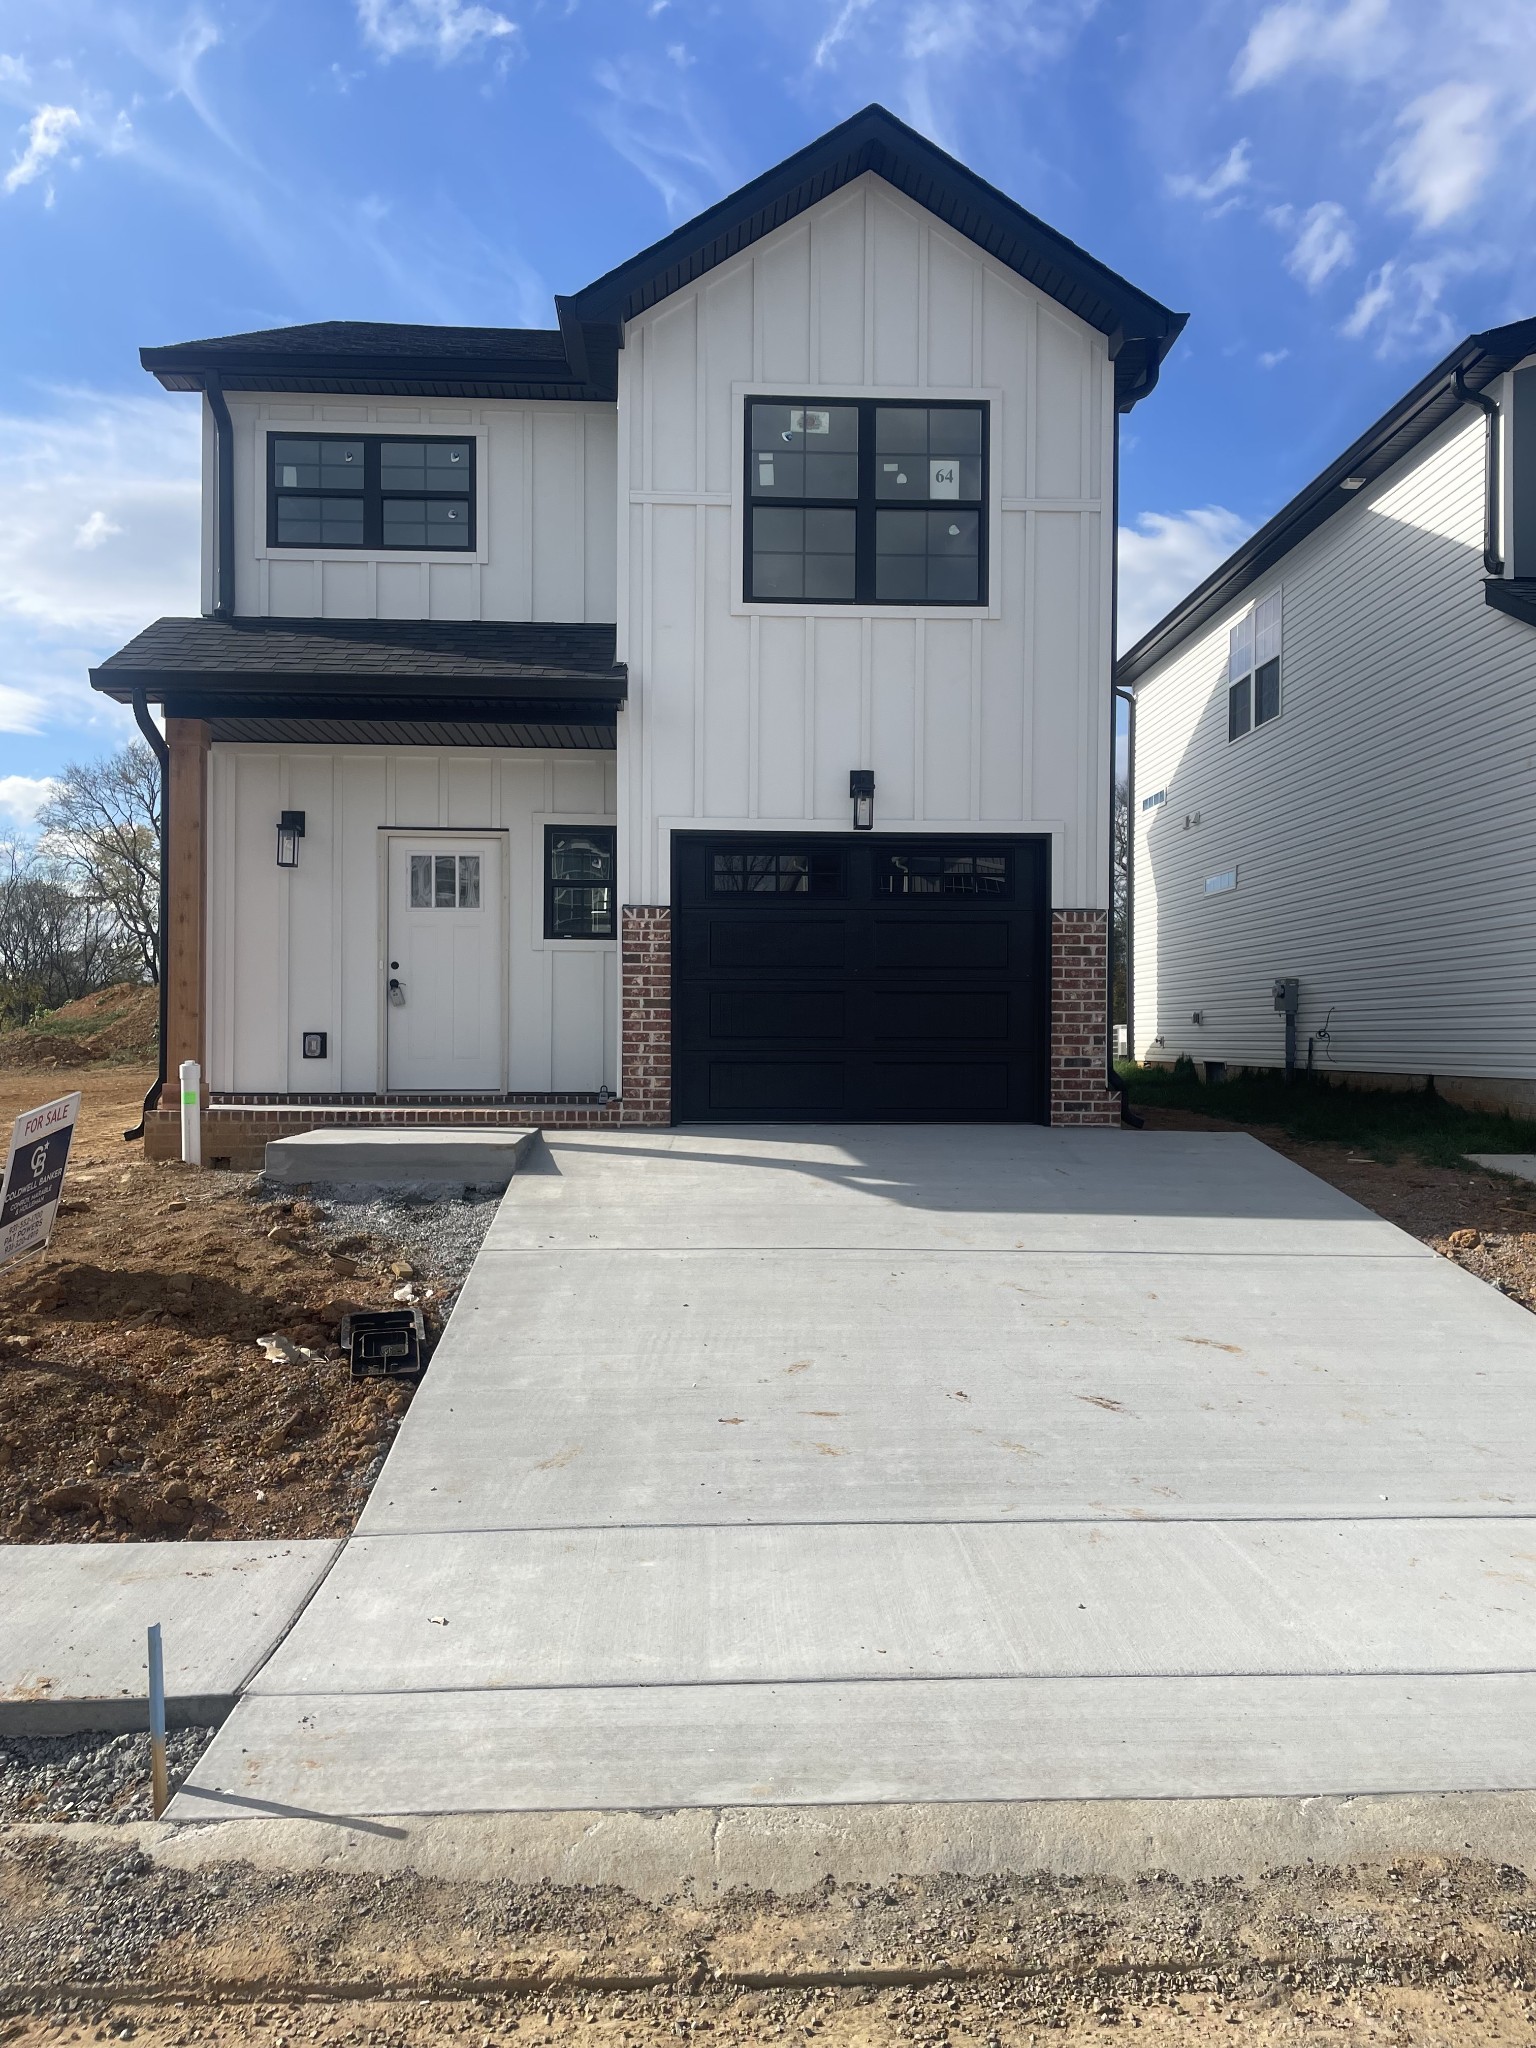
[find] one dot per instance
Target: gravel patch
(439, 1232)
(89, 1776)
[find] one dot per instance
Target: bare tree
(55, 943)
(101, 830)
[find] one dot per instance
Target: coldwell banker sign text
(34, 1176)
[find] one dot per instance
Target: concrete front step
(442, 1155)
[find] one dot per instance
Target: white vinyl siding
(753, 715)
(301, 950)
(1383, 829)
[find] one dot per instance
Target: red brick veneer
(645, 1014)
(1079, 1019)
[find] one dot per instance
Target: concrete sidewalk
(74, 1618)
(778, 1467)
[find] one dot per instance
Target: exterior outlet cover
(314, 1045)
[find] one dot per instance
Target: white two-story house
(1334, 760)
(698, 710)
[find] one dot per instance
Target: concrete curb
(793, 1849)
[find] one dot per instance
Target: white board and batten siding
(545, 527)
(748, 715)
(1382, 829)
(301, 949)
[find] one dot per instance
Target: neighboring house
(1334, 752)
(705, 704)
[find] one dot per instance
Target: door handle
(396, 993)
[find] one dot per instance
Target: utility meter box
(1287, 997)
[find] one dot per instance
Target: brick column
(1080, 1019)
(645, 981)
(185, 941)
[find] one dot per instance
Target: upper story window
(1253, 668)
(369, 491)
(866, 502)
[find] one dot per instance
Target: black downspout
(224, 471)
(162, 754)
(1493, 561)
(1112, 1079)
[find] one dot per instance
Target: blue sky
(1335, 190)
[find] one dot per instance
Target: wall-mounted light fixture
(861, 787)
(290, 830)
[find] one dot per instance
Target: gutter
(1493, 561)
(1111, 1077)
(224, 470)
(162, 754)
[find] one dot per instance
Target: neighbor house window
(1253, 668)
(865, 502)
(372, 491)
(578, 882)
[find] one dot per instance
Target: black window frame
(372, 494)
(611, 835)
(866, 506)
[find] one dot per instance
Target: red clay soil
(135, 1399)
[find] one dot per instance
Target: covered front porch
(389, 859)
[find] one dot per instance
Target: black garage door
(859, 975)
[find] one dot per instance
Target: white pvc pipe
(191, 1113)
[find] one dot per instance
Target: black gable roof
(1476, 362)
(1140, 330)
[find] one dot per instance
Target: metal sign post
(34, 1176)
(160, 1789)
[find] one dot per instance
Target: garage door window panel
(870, 503)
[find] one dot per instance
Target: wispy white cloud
(1271, 358)
(1447, 151)
(23, 796)
(1402, 311)
(1164, 555)
(1357, 40)
(14, 70)
(1324, 240)
(649, 116)
(47, 133)
(441, 29)
(1228, 177)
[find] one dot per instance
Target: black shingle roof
(389, 659)
(385, 359)
(1417, 415)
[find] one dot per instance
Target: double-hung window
(578, 881)
(866, 501)
(1253, 668)
(371, 491)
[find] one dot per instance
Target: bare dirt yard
(135, 1398)
(107, 1944)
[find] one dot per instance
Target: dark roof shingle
(392, 656)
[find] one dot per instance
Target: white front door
(445, 966)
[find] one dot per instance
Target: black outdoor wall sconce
(290, 830)
(861, 787)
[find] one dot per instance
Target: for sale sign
(34, 1176)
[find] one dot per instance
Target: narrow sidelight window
(375, 491)
(578, 882)
(1253, 668)
(870, 502)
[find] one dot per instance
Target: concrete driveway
(892, 1464)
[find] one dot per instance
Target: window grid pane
(1266, 693)
(469, 881)
(370, 492)
(1240, 708)
(946, 874)
(803, 547)
(421, 881)
(579, 879)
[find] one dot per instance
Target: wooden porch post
(186, 938)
